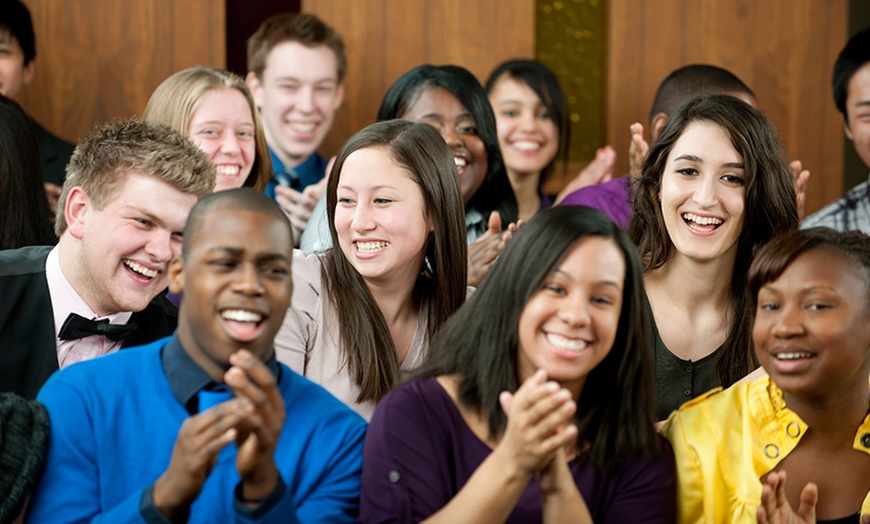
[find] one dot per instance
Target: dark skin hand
(253, 419)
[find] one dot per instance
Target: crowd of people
(203, 319)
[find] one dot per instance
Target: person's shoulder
(122, 368)
(715, 408)
(307, 402)
(23, 261)
(832, 215)
(307, 272)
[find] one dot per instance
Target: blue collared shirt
(309, 172)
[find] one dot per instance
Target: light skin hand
(800, 177)
(199, 441)
(775, 509)
(298, 205)
(540, 416)
(637, 150)
(258, 434)
(488, 246)
(598, 171)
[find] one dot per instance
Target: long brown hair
(770, 208)
(366, 343)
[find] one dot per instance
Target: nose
(161, 246)
(230, 144)
(705, 192)
(362, 218)
(305, 100)
(528, 122)
(450, 136)
(788, 323)
(575, 312)
(248, 281)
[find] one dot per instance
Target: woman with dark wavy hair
(538, 405)
(363, 312)
(26, 217)
(715, 187)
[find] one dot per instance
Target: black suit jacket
(54, 153)
(28, 349)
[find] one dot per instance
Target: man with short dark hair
(123, 207)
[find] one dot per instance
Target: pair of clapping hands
(253, 419)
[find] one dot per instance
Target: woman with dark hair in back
(715, 187)
(534, 129)
(538, 405)
(25, 216)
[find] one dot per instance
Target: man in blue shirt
(296, 67)
(205, 425)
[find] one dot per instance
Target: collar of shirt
(308, 172)
(65, 300)
(186, 378)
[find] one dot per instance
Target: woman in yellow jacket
(807, 419)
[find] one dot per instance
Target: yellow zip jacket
(726, 440)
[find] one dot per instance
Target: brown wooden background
(99, 59)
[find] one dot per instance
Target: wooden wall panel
(385, 38)
(783, 49)
(98, 59)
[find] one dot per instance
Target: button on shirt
(65, 300)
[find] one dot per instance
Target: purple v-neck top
(419, 452)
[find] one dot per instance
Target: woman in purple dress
(538, 405)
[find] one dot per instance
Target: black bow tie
(77, 326)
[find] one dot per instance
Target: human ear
(75, 211)
(176, 276)
(339, 96)
(29, 72)
(656, 125)
(848, 131)
(256, 88)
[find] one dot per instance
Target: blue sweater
(114, 421)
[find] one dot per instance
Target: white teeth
(142, 270)
(460, 162)
(791, 356)
(241, 315)
(371, 247)
(302, 128)
(227, 170)
(569, 344)
(704, 221)
(526, 146)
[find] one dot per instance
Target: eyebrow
(149, 215)
(693, 158)
(599, 283)
(238, 251)
(374, 188)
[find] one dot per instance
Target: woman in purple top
(538, 405)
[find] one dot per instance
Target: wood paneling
(98, 59)
(385, 38)
(783, 49)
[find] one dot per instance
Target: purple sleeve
(610, 197)
(646, 491)
(405, 474)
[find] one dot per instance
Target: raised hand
(488, 246)
(598, 171)
(199, 441)
(298, 205)
(775, 509)
(800, 176)
(637, 150)
(258, 433)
